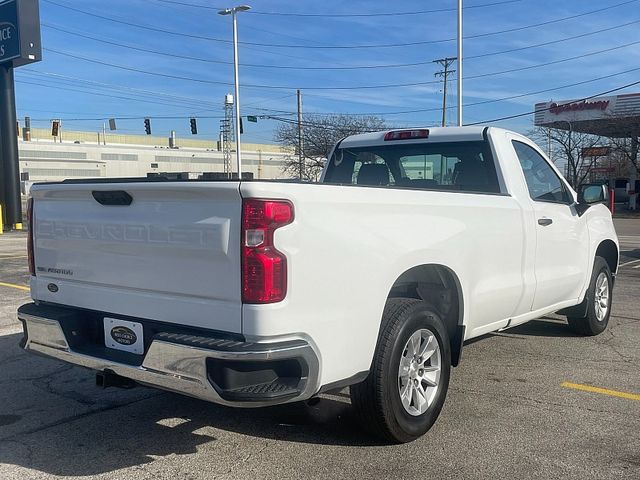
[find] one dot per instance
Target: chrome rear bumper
(181, 363)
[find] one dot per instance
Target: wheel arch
(608, 250)
(439, 286)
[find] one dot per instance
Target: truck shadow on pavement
(54, 420)
(544, 327)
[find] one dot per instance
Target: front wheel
(406, 388)
(598, 301)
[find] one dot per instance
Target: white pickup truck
(257, 293)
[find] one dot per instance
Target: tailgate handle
(112, 197)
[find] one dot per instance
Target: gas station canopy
(613, 117)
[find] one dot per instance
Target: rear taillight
(31, 222)
(264, 268)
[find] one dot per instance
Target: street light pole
(459, 63)
(233, 12)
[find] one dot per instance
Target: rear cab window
(466, 166)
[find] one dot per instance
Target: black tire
(377, 400)
(590, 325)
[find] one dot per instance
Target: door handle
(544, 221)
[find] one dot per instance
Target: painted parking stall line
(601, 391)
(13, 285)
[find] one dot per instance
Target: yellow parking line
(603, 391)
(13, 285)
(2, 257)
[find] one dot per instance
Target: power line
(99, 94)
(187, 100)
(272, 99)
(391, 45)
(358, 67)
(171, 55)
(551, 22)
(136, 117)
(133, 47)
(175, 55)
(552, 42)
(193, 5)
(499, 119)
(311, 123)
(137, 25)
(142, 117)
(484, 102)
(553, 89)
(554, 62)
(385, 14)
(345, 15)
(137, 70)
(358, 87)
(523, 114)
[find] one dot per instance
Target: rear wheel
(598, 301)
(402, 396)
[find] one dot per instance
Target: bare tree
(567, 147)
(320, 134)
(627, 148)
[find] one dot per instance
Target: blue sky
(82, 92)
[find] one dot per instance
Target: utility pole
(300, 145)
(446, 63)
(227, 133)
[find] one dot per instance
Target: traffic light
(55, 128)
(194, 126)
(147, 126)
(241, 126)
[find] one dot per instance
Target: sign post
(19, 45)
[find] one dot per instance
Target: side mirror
(590, 194)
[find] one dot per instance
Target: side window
(543, 182)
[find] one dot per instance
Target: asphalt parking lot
(525, 403)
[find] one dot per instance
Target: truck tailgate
(172, 254)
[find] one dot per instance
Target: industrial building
(76, 155)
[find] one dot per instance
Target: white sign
(575, 110)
